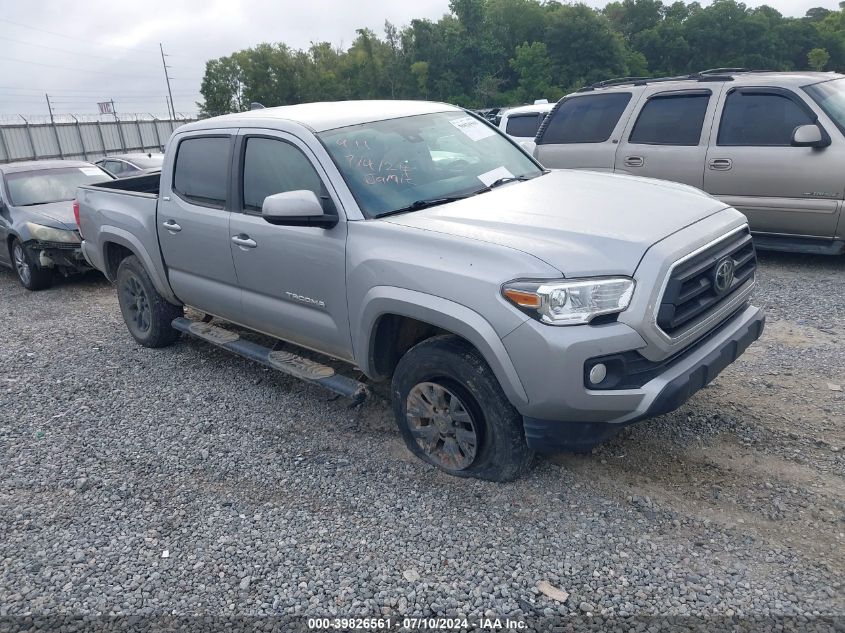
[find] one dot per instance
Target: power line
(76, 39)
(64, 50)
(87, 70)
(81, 92)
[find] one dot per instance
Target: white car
(522, 123)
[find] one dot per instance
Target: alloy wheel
(21, 265)
(442, 425)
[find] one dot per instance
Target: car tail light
(76, 215)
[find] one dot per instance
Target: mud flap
(286, 362)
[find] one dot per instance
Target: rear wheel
(147, 314)
(453, 414)
(30, 274)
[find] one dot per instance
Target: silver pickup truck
(515, 309)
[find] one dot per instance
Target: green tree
(534, 71)
(818, 58)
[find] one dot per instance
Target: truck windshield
(42, 186)
(830, 95)
(400, 164)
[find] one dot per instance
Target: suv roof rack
(723, 71)
(713, 74)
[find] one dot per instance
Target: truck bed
(148, 184)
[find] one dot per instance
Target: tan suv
(770, 144)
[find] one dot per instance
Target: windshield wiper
(502, 181)
(433, 202)
(425, 204)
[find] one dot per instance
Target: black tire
(148, 315)
(498, 451)
(29, 273)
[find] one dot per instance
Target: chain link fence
(83, 137)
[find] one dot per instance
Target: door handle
(721, 164)
(634, 161)
(244, 241)
(171, 226)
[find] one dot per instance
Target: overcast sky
(84, 52)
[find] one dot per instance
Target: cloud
(82, 53)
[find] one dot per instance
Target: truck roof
(32, 165)
(325, 115)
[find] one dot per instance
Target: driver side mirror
(809, 135)
(296, 208)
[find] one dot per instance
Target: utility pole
(53, 125)
(172, 111)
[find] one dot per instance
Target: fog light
(598, 373)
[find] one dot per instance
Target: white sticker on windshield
(473, 128)
(489, 177)
(91, 171)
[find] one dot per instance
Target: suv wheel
(147, 314)
(30, 274)
(453, 414)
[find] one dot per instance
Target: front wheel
(30, 274)
(453, 414)
(147, 314)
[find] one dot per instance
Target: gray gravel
(185, 481)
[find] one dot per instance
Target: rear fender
(155, 269)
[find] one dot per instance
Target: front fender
(442, 313)
(155, 269)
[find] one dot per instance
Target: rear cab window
(584, 119)
(201, 173)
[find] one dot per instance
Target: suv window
(202, 170)
(272, 166)
(671, 120)
(760, 119)
(589, 119)
(523, 124)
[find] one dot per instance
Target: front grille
(56, 246)
(691, 291)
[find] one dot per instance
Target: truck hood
(56, 214)
(580, 222)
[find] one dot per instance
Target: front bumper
(67, 257)
(569, 415)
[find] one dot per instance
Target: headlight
(571, 301)
(49, 234)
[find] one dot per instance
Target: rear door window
(201, 173)
(523, 125)
(760, 119)
(587, 119)
(671, 120)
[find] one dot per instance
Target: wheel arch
(117, 244)
(393, 320)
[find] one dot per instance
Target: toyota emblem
(723, 277)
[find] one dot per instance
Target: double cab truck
(513, 309)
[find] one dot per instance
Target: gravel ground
(185, 481)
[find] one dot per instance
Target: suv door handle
(634, 161)
(171, 226)
(244, 241)
(721, 164)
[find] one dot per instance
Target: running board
(285, 362)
